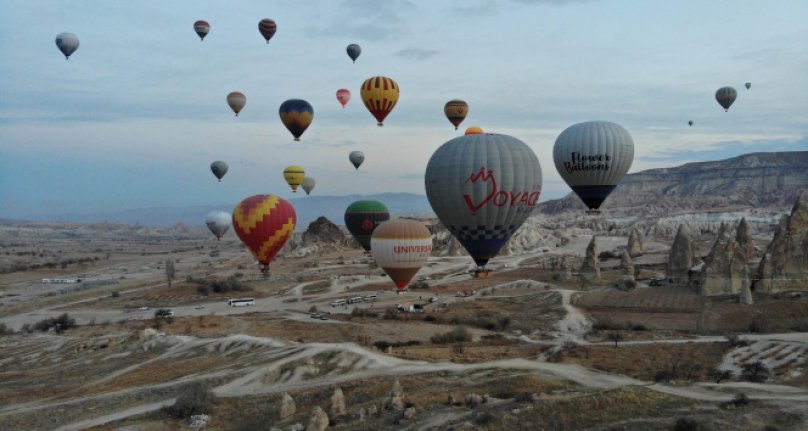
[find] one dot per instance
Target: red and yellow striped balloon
(380, 95)
(264, 223)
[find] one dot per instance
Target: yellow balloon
(474, 130)
(294, 176)
(380, 95)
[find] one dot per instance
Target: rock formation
(322, 230)
(198, 422)
(318, 420)
(785, 264)
(626, 280)
(395, 400)
(287, 408)
(745, 297)
(743, 237)
(680, 259)
(635, 246)
(721, 273)
(337, 403)
(590, 269)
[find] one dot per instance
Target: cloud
(552, 2)
(415, 176)
(371, 19)
(481, 9)
(724, 150)
(416, 54)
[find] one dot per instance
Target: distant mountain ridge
(752, 180)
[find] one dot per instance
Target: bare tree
(169, 271)
(616, 337)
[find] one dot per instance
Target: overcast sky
(138, 113)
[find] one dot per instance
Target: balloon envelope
(294, 176)
(353, 51)
(308, 184)
(296, 115)
(219, 168)
(725, 96)
(482, 188)
(343, 96)
(362, 218)
(202, 28)
(690, 123)
(748, 85)
(68, 43)
(592, 158)
(236, 100)
(456, 111)
(380, 95)
(267, 28)
(356, 158)
(401, 247)
(264, 223)
(218, 222)
(474, 130)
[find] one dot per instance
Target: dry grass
(160, 372)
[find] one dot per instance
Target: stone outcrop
(680, 258)
(626, 280)
(721, 274)
(590, 269)
(394, 400)
(743, 236)
(635, 246)
(198, 422)
(785, 264)
(318, 421)
(745, 297)
(337, 403)
(323, 230)
(287, 408)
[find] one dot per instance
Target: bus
(241, 302)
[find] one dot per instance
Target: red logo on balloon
(497, 197)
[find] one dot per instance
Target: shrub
(363, 312)
(203, 290)
(735, 341)
(60, 324)
(755, 372)
(195, 399)
(458, 334)
(717, 375)
(115, 294)
(457, 348)
(740, 400)
(391, 313)
(686, 424)
(313, 309)
(382, 345)
(4, 330)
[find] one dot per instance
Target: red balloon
(343, 95)
(264, 223)
(267, 27)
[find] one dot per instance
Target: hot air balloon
(380, 95)
(202, 28)
(592, 158)
(725, 96)
(482, 188)
(219, 168)
(690, 123)
(456, 111)
(218, 222)
(362, 218)
(356, 158)
(308, 184)
(267, 27)
(343, 95)
(401, 247)
(294, 176)
(236, 100)
(474, 130)
(264, 223)
(748, 85)
(296, 115)
(353, 51)
(68, 43)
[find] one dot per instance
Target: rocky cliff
(754, 180)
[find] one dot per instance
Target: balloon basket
(481, 273)
(592, 212)
(380, 124)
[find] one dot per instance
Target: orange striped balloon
(380, 95)
(264, 223)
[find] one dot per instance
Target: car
(325, 317)
(143, 308)
(315, 315)
(336, 302)
(355, 299)
(199, 307)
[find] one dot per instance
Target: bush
(755, 372)
(203, 290)
(717, 375)
(740, 400)
(759, 325)
(391, 313)
(735, 341)
(60, 324)
(4, 330)
(195, 399)
(456, 335)
(313, 309)
(382, 345)
(686, 424)
(115, 294)
(363, 312)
